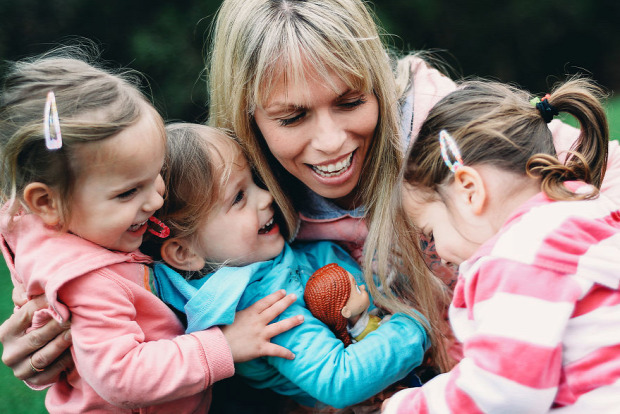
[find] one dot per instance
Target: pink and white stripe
(538, 311)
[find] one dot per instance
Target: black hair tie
(547, 111)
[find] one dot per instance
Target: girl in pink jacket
(82, 151)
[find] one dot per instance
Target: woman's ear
(42, 200)
(470, 188)
(346, 312)
(179, 254)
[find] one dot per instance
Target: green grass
(16, 398)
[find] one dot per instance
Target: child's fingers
(278, 307)
(284, 325)
(278, 351)
(260, 305)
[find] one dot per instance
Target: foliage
(528, 42)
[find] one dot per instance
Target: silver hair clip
(51, 124)
(447, 142)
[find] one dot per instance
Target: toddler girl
(226, 250)
(536, 304)
(82, 151)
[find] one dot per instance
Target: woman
(325, 115)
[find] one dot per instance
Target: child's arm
(513, 360)
(338, 376)
(132, 365)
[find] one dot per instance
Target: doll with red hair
(334, 297)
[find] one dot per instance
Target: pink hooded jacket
(130, 350)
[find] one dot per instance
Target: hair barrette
(163, 232)
(51, 124)
(447, 142)
(547, 111)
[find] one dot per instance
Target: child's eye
(431, 238)
(127, 193)
(239, 197)
(291, 120)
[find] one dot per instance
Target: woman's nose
(329, 134)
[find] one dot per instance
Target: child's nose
(265, 199)
(156, 199)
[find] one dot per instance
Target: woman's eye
(292, 120)
(127, 193)
(354, 104)
(239, 197)
(359, 292)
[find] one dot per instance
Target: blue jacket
(323, 369)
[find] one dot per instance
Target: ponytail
(587, 159)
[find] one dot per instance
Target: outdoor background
(531, 43)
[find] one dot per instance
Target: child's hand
(250, 334)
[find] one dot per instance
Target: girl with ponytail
(537, 299)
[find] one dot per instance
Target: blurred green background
(531, 43)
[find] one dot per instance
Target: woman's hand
(250, 334)
(40, 355)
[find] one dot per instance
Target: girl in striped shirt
(537, 301)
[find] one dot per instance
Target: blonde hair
(257, 41)
(93, 104)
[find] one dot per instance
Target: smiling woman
(320, 133)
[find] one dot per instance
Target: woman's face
(319, 133)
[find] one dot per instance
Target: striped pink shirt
(538, 311)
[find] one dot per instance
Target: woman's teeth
(266, 227)
(332, 170)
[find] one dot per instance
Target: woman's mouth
(333, 170)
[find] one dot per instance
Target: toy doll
(334, 297)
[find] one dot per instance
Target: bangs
(305, 52)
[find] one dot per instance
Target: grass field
(16, 398)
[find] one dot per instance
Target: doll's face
(358, 300)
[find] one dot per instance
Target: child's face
(241, 228)
(118, 186)
(434, 219)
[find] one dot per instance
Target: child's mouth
(136, 227)
(267, 227)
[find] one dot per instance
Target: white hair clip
(51, 124)
(447, 142)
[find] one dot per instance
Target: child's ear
(346, 312)
(178, 254)
(470, 188)
(42, 200)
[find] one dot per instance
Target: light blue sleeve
(325, 370)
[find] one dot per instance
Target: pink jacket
(129, 348)
(429, 86)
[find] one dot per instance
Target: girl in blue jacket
(225, 252)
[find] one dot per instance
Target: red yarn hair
(326, 293)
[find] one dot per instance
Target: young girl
(82, 151)
(226, 243)
(537, 302)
